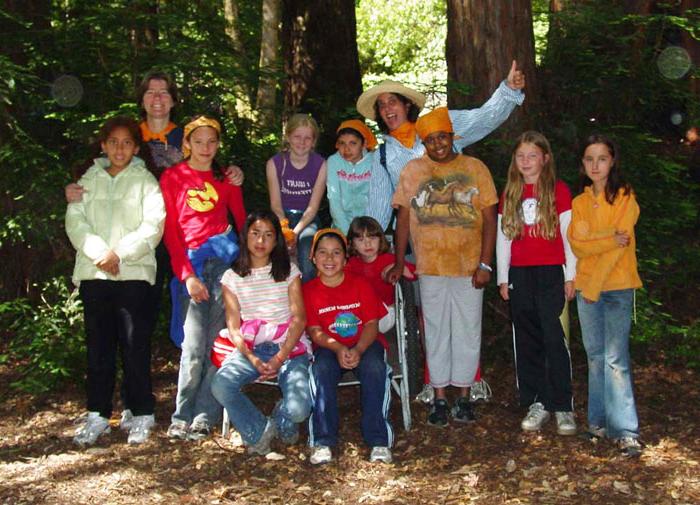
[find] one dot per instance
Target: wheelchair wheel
(414, 356)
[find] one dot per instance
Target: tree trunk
(268, 65)
(319, 39)
(231, 17)
(691, 45)
(244, 107)
(483, 38)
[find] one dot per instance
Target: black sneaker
(462, 412)
(438, 414)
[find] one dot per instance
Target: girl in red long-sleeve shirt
(202, 246)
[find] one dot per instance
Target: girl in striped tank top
(265, 320)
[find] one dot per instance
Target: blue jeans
(292, 378)
(605, 326)
(375, 395)
(203, 321)
(304, 241)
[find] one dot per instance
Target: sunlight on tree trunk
(231, 16)
(269, 61)
(481, 44)
(244, 107)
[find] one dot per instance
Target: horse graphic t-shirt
(445, 202)
(343, 310)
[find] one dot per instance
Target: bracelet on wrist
(485, 267)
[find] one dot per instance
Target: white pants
(452, 310)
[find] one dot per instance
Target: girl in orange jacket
(601, 235)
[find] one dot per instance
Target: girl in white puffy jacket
(115, 230)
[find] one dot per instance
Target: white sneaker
(565, 423)
(535, 418)
(382, 454)
(320, 454)
(140, 428)
(94, 426)
(427, 394)
(126, 420)
(480, 391)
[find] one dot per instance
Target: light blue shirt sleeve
(380, 193)
(335, 203)
(474, 124)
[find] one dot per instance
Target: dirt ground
(489, 462)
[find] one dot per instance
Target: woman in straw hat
(395, 108)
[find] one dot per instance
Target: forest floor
(488, 462)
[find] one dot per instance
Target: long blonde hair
(512, 222)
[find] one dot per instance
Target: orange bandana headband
(199, 123)
(437, 120)
(327, 231)
(361, 128)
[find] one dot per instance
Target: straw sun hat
(365, 104)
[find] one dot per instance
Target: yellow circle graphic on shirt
(202, 200)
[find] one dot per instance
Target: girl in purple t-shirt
(296, 181)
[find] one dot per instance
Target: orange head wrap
(437, 120)
(361, 128)
(198, 123)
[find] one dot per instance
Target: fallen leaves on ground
(488, 462)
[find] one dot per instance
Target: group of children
(287, 302)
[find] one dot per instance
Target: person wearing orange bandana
(395, 108)
(202, 245)
(349, 172)
(448, 202)
(157, 95)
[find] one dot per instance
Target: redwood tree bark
(231, 16)
(483, 37)
(269, 60)
(319, 40)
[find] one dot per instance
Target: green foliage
(107, 47)
(597, 48)
(387, 52)
(48, 342)
(654, 327)
(540, 27)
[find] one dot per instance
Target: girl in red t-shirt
(370, 258)
(342, 311)
(536, 268)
